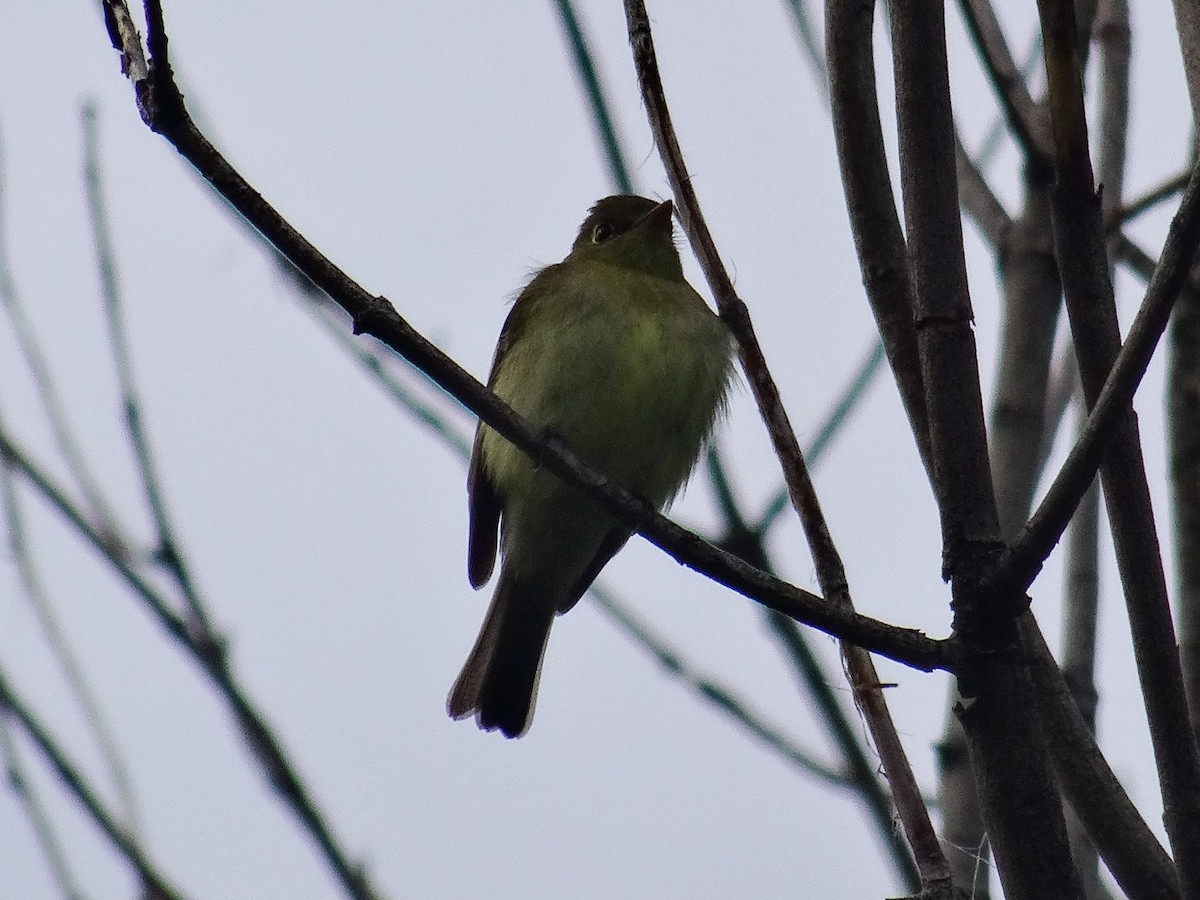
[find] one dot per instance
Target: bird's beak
(660, 216)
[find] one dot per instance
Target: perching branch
(162, 107)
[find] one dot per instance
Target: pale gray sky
(438, 153)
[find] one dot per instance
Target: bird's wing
(483, 501)
(613, 541)
(483, 507)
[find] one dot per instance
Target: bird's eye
(601, 233)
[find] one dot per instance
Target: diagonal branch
(1022, 113)
(935, 875)
(1154, 196)
(585, 68)
(714, 692)
(152, 881)
(162, 106)
(168, 550)
(1044, 529)
(266, 746)
(39, 818)
(99, 507)
(36, 593)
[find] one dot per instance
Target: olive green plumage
(612, 351)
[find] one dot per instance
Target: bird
(614, 354)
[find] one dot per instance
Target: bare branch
(874, 222)
(810, 44)
(68, 660)
(1008, 751)
(1020, 110)
(1079, 237)
(1183, 441)
(589, 78)
(35, 811)
(1187, 22)
(1032, 302)
(1129, 848)
(280, 771)
(1081, 603)
(830, 426)
(978, 199)
(153, 882)
(830, 572)
(376, 317)
(1082, 588)
(1151, 198)
(733, 311)
(862, 770)
(712, 691)
(168, 550)
(98, 505)
(1045, 527)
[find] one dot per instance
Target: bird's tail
(498, 683)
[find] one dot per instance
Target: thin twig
(35, 592)
(715, 693)
(168, 550)
(280, 771)
(35, 811)
(810, 44)
(1156, 195)
(1019, 107)
(862, 771)
(733, 311)
(978, 200)
(98, 506)
(829, 428)
(99, 512)
(152, 881)
(332, 322)
(999, 127)
(589, 78)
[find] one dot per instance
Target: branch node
(375, 314)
